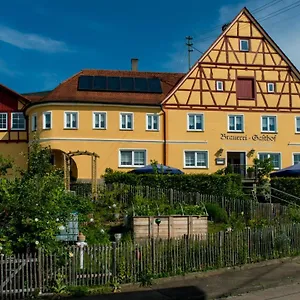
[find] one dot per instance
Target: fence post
(114, 259)
(40, 276)
(171, 197)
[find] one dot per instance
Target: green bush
(227, 185)
(216, 213)
(290, 185)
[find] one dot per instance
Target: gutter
(164, 136)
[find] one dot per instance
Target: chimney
(134, 64)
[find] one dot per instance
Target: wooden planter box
(170, 226)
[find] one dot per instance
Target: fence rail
(133, 261)
(126, 195)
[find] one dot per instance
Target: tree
(34, 205)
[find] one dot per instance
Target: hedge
(225, 185)
(290, 185)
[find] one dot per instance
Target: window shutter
(245, 88)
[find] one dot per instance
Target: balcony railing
(246, 171)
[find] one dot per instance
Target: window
(71, 120)
(219, 85)
(99, 120)
(47, 120)
(3, 121)
(296, 158)
(275, 158)
(18, 121)
(244, 45)
(297, 124)
(268, 124)
(236, 123)
(196, 159)
(195, 122)
(126, 121)
(132, 158)
(271, 87)
(245, 88)
(152, 122)
(33, 122)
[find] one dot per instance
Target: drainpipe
(164, 136)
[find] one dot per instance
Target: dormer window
(271, 87)
(244, 45)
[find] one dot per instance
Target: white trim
(11, 125)
(77, 119)
(196, 167)
(158, 121)
(296, 124)
(248, 43)
(88, 104)
(236, 115)
(267, 131)
(293, 160)
(93, 120)
(132, 149)
(6, 114)
(44, 119)
(32, 117)
(194, 114)
(272, 152)
(121, 140)
(268, 90)
(132, 121)
(222, 83)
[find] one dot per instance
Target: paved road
(288, 292)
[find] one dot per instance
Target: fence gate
(19, 276)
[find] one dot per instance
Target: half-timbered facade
(240, 100)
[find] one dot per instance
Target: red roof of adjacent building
(68, 91)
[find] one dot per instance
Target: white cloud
(31, 41)
(283, 28)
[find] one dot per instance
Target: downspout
(164, 136)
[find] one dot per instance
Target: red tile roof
(68, 92)
(21, 98)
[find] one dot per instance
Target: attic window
(244, 45)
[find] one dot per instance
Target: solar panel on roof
(127, 84)
(140, 85)
(113, 83)
(154, 85)
(100, 83)
(85, 82)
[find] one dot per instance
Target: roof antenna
(189, 44)
(225, 26)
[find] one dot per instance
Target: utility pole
(190, 49)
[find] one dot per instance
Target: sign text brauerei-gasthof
(255, 137)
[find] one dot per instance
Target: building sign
(255, 137)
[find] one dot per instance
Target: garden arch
(67, 169)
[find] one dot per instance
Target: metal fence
(134, 261)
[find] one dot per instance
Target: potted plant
(250, 172)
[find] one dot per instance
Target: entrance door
(238, 162)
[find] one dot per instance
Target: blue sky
(43, 42)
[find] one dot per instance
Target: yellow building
(239, 101)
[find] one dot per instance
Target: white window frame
(132, 156)
(34, 122)
(268, 87)
(12, 117)
(268, 153)
(195, 152)
(248, 43)
(152, 115)
(94, 120)
(235, 130)
(6, 118)
(194, 115)
(65, 119)
(44, 119)
(293, 157)
(132, 120)
(221, 87)
(297, 118)
(268, 131)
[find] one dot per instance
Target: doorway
(237, 160)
